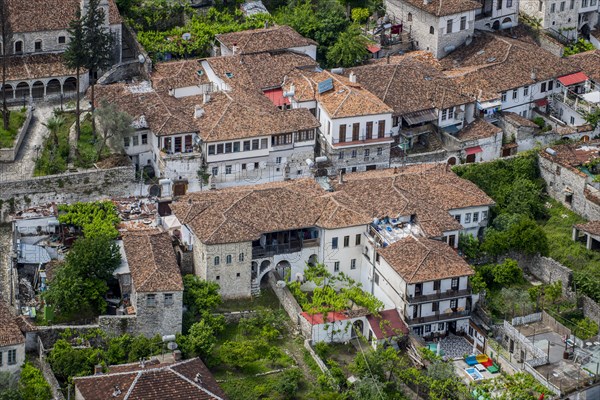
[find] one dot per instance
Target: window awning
(541, 102)
(489, 104)
(420, 117)
(473, 150)
(573, 79)
(373, 48)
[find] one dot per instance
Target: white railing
(525, 342)
(541, 379)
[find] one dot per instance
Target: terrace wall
(9, 155)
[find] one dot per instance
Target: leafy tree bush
(97, 218)
(288, 384)
(350, 48)
(579, 46)
(469, 245)
(32, 385)
(241, 353)
(201, 298)
(508, 273)
(199, 341)
(587, 328)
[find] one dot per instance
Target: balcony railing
(417, 130)
(286, 248)
(439, 317)
(362, 139)
(448, 294)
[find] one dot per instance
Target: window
(431, 30)
(220, 148)
(279, 140)
(484, 215)
(215, 171)
(454, 284)
(357, 240)
(550, 85)
(246, 145)
(475, 217)
(515, 94)
(336, 266)
(553, 7)
(377, 257)
(409, 17)
(572, 5)
(136, 140)
(150, 300)
(255, 144)
(367, 153)
(236, 147)
(341, 155)
(381, 129)
(62, 39)
(244, 167)
(449, 26)
(303, 136)
(562, 6)
(256, 165)
(448, 114)
(437, 285)
(353, 263)
(355, 131)
(217, 277)
(178, 144)
(18, 47)
(543, 89)
(463, 23)
(228, 147)
(334, 243)
(228, 259)
(277, 160)
(369, 133)
(503, 97)
(353, 154)
(126, 141)
(427, 328)
(572, 120)
(457, 217)
(237, 275)
(467, 218)
(217, 260)
(499, 5)
(376, 278)
(12, 357)
(37, 45)
(435, 306)
(168, 299)
(453, 303)
(264, 143)
(526, 91)
(241, 257)
(379, 151)
(346, 241)
(509, 3)
(145, 139)
(228, 170)
(342, 134)
(441, 326)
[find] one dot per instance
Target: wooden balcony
(285, 248)
(439, 317)
(441, 295)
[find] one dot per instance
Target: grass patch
(15, 122)
(54, 159)
(87, 146)
(266, 299)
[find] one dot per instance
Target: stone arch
(452, 161)
(22, 90)
(358, 326)
(254, 269)
(284, 269)
(496, 25)
(70, 85)
(507, 20)
(10, 92)
(37, 90)
(53, 87)
(312, 260)
(264, 267)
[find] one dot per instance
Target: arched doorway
(70, 85)
(506, 23)
(452, 161)
(254, 269)
(264, 266)
(284, 269)
(358, 328)
(496, 25)
(37, 90)
(585, 31)
(312, 260)
(10, 93)
(53, 87)
(585, 138)
(22, 90)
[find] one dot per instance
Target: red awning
(276, 96)
(473, 150)
(373, 48)
(573, 79)
(541, 102)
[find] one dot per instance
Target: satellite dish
(154, 190)
(186, 36)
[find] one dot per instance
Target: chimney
(171, 92)
(177, 355)
(206, 98)
(352, 77)
(143, 362)
(234, 49)
(198, 111)
(198, 378)
(533, 75)
(97, 369)
(117, 391)
(341, 177)
(387, 58)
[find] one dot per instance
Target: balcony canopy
(419, 117)
(573, 79)
(473, 150)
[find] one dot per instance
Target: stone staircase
(255, 287)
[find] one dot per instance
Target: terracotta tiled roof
(387, 324)
(37, 66)
(589, 63)
(492, 64)
(345, 99)
(188, 379)
(592, 227)
(49, 15)
(258, 40)
(421, 260)
(152, 261)
(178, 74)
(575, 154)
(410, 83)
(518, 119)
(244, 213)
(10, 333)
(441, 8)
(478, 129)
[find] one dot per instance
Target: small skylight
(480, 52)
(229, 74)
(200, 72)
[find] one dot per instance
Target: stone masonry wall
(116, 325)
(546, 270)
(9, 155)
(290, 305)
(591, 309)
(66, 188)
(159, 319)
(234, 278)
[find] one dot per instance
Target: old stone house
(12, 341)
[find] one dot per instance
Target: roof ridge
(225, 219)
(139, 373)
(195, 384)
(387, 88)
(423, 259)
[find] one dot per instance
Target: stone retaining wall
(9, 155)
(290, 305)
(116, 325)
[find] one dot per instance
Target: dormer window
(37, 45)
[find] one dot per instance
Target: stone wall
(48, 335)
(9, 155)
(116, 325)
(159, 319)
(591, 309)
(122, 72)
(236, 316)
(290, 305)
(66, 188)
(546, 270)
(360, 161)
(130, 38)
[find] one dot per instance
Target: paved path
(24, 165)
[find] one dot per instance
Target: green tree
(469, 246)
(116, 125)
(289, 382)
(241, 353)
(98, 44)
(579, 46)
(32, 384)
(586, 328)
(67, 361)
(360, 15)
(593, 117)
(201, 298)
(508, 273)
(367, 388)
(75, 57)
(200, 340)
(553, 291)
(349, 50)
(54, 125)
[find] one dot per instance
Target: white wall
(468, 214)
(310, 50)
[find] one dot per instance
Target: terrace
(285, 242)
(389, 230)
